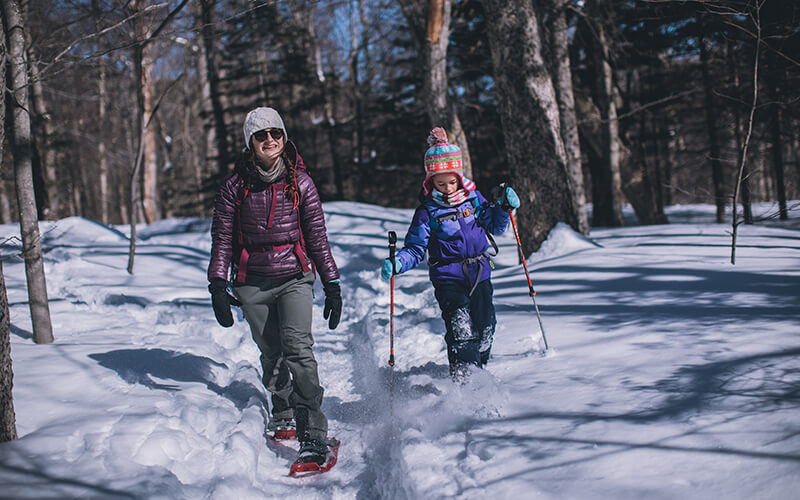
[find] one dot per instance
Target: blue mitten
(508, 199)
(386, 270)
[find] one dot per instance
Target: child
(452, 223)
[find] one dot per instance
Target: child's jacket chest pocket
(447, 225)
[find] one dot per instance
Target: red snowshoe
(315, 457)
(285, 432)
(283, 429)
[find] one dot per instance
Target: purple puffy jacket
(266, 240)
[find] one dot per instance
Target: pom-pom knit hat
(443, 158)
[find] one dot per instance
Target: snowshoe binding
(283, 429)
(315, 457)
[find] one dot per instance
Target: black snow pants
(470, 322)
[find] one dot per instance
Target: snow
(671, 373)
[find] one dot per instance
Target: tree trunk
(43, 140)
(606, 178)
(530, 120)
(655, 131)
(772, 77)
(304, 16)
(213, 109)
(102, 155)
(191, 109)
(639, 186)
(5, 205)
(357, 144)
(8, 420)
(732, 57)
(145, 60)
(364, 175)
(141, 118)
(562, 76)
(441, 111)
(713, 136)
(23, 169)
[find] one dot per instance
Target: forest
(131, 111)
(135, 107)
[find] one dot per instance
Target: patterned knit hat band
(444, 166)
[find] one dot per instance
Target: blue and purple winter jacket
(452, 235)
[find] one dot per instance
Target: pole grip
(392, 245)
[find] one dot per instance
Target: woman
(269, 230)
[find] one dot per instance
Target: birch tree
(23, 171)
(144, 56)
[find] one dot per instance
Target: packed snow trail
(415, 401)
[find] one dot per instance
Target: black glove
(333, 303)
(221, 300)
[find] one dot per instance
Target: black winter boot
(312, 451)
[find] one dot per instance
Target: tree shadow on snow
(725, 391)
(21, 332)
(140, 366)
(646, 296)
(31, 482)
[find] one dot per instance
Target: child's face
(446, 183)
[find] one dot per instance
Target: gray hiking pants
(279, 314)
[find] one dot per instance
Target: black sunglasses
(275, 133)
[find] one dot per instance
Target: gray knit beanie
(260, 119)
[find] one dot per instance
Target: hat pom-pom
(437, 136)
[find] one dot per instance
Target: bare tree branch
(164, 23)
(96, 34)
(137, 166)
(762, 41)
(737, 187)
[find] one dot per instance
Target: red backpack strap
(242, 190)
(300, 246)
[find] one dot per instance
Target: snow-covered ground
(671, 373)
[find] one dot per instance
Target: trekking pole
(392, 244)
(527, 275)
